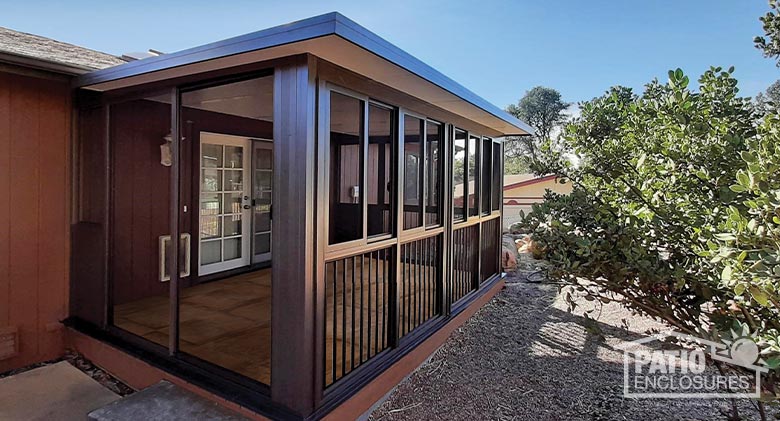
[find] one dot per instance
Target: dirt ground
(525, 357)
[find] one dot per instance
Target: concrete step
(164, 401)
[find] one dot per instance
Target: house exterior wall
(35, 132)
(523, 195)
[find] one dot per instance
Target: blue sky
(498, 49)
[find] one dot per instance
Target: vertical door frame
(175, 228)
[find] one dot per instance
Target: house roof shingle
(66, 57)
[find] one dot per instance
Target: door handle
(247, 206)
(184, 256)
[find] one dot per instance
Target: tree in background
(770, 42)
(770, 99)
(544, 110)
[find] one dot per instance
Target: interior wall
(35, 124)
(141, 188)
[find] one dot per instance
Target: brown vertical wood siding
(35, 124)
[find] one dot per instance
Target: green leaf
(773, 363)
(641, 161)
(736, 188)
(743, 178)
(759, 295)
(739, 289)
(748, 157)
(725, 236)
(725, 275)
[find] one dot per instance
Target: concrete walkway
(57, 392)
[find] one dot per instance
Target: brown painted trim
(529, 182)
(137, 373)
(364, 400)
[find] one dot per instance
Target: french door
(262, 192)
(224, 222)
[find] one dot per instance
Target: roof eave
(43, 64)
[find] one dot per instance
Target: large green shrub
(666, 185)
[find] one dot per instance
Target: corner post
(294, 315)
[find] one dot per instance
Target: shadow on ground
(525, 357)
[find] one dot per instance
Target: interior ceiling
(252, 98)
(341, 52)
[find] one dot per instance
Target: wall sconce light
(165, 151)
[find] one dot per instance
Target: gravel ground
(525, 357)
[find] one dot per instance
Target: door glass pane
(346, 169)
(261, 196)
(212, 180)
(234, 181)
(139, 216)
(380, 180)
(263, 159)
(234, 157)
(233, 202)
(211, 252)
(224, 317)
(212, 156)
(473, 176)
(459, 175)
(210, 226)
(413, 172)
(262, 243)
(262, 221)
(433, 139)
(232, 224)
(232, 248)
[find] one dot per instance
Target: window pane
(473, 176)
(487, 174)
(433, 139)
(210, 252)
(459, 175)
(497, 187)
(234, 157)
(413, 172)
(346, 169)
(380, 180)
(212, 156)
(232, 248)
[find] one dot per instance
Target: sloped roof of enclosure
(331, 37)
